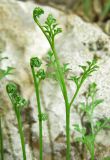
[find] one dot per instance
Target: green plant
(87, 108)
(50, 29)
(106, 158)
(35, 62)
(18, 103)
(87, 4)
(106, 10)
(3, 73)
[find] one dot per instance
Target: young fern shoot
(87, 71)
(35, 62)
(18, 103)
(50, 29)
(87, 109)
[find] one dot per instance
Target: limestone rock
(20, 39)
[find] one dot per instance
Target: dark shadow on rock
(9, 139)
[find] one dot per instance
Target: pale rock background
(20, 39)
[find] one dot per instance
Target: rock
(75, 48)
(20, 39)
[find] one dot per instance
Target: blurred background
(86, 34)
(97, 11)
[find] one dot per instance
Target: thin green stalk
(77, 90)
(50, 30)
(75, 95)
(36, 84)
(20, 127)
(1, 140)
(61, 76)
(18, 103)
(92, 154)
(65, 95)
(92, 128)
(63, 89)
(64, 92)
(68, 148)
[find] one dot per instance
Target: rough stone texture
(19, 40)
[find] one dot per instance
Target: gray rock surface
(20, 39)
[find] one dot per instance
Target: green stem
(63, 87)
(20, 127)
(92, 154)
(18, 116)
(75, 95)
(1, 140)
(36, 84)
(64, 91)
(77, 90)
(92, 128)
(61, 76)
(68, 150)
